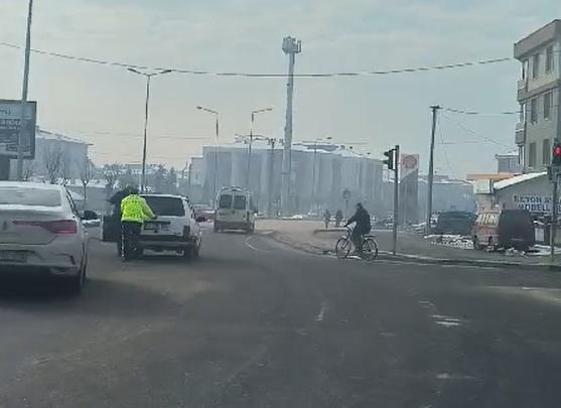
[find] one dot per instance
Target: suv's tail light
(59, 227)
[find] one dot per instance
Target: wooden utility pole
(435, 109)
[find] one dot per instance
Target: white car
(175, 228)
(41, 230)
(235, 210)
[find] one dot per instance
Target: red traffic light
(556, 159)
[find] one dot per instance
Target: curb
(386, 255)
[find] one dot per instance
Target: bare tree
(65, 170)
(85, 169)
(111, 172)
(52, 158)
(28, 169)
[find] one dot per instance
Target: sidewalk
(311, 236)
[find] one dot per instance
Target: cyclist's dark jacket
(362, 219)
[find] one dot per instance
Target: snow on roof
(499, 185)
(48, 135)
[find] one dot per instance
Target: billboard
(409, 188)
(409, 164)
(10, 117)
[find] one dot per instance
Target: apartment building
(538, 95)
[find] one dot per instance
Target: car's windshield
(29, 196)
(167, 206)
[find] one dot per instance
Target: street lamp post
(253, 113)
(216, 130)
(148, 76)
(314, 206)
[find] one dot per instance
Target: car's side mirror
(200, 218)
(89, 215)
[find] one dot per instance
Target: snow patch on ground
(452, 241)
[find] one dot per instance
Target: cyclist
(361, 218)
(134, 211)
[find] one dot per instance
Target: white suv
(175, 228)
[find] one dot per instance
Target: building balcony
(522, 84)
(519, 134)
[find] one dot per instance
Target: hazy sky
(104, 105)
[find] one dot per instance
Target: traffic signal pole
(554, 213)
(554, 170)
(395, 197)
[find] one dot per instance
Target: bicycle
(344, 246)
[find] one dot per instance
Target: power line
(465, 112)
(452, 172)
(474, 133)
(261, 75)
(132, 135)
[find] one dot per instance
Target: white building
(320, 174)
(539, 96)
(56, 155)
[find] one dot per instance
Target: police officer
(134, 211)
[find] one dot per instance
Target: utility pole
(271, 178)
(24, 93)
(434, 109)
(395, 197)
(290, 46)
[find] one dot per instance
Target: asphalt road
(256, 324)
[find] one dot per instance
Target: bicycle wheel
(369, 249)
(343, 247)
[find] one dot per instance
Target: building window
(546, 152)
(523, 113)
(521, 156)
(534, 110)
(547, 98)
(532, 155)
(536, 66)
(549, 59)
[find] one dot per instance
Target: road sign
(346, 194)
(10, 116)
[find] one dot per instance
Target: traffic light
(390, 158)
(556, 156)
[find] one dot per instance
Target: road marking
(253, 247)
(322, 311)
(446, 321)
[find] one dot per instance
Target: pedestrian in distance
(338, 218)
(326, 218)
(134, 211)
